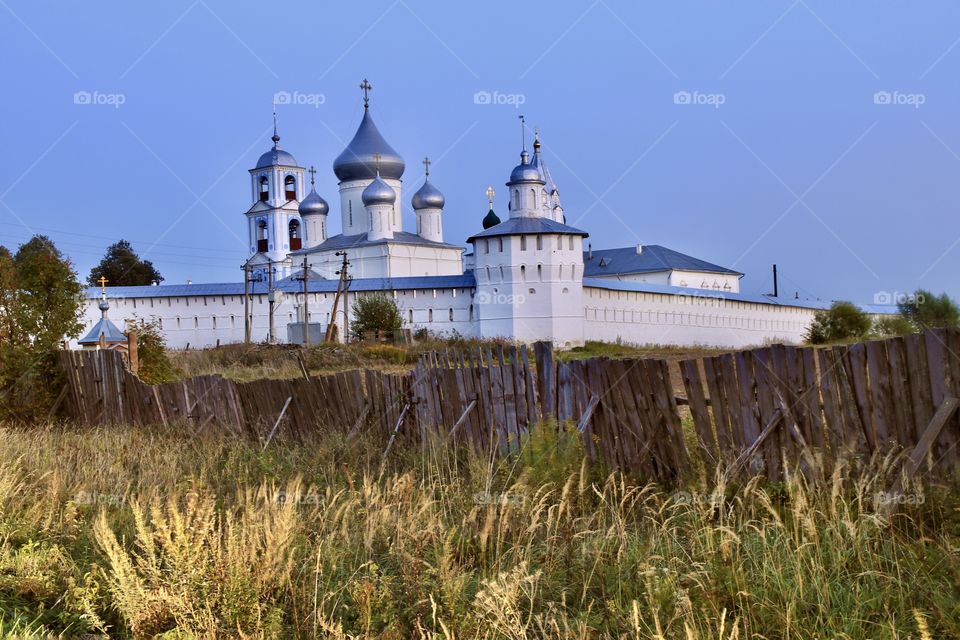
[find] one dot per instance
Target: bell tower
(274, 226)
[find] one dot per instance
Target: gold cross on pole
(490, 194)
(103, 285)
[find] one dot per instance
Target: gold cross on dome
(426, 166)
(366, 86)
(103, 285)
(490, 194)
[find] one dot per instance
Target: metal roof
(652, 258)
(368, 151)
(341, 241)
(106, 328)
(516, 226)
(290, 285)
(646, 287)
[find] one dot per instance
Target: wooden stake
(277, 424)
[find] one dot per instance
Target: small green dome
(490, 220)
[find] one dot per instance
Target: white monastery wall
(698, 319)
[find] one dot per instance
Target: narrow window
(516, 199)
(539, 243)
(523, 243)
(295, 241)
(264, 189)
(410, 315)
(500, 239)
(451, 315)
(486, 246)
(290, 188)
(430, 316)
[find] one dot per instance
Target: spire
(523, 133)
(276, 136)
(366, 86)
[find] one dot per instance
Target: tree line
(845, 322)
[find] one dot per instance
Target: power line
(88, 235)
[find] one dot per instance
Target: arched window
(523, 273)
(290, 188)
(410, 314)
(451, 315)
(264, 189)
(430, 315)
(295, 241)
(533, 198)
(263, 235)
(516, 199)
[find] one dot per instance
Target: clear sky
(816, 134)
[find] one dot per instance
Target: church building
(526, 276)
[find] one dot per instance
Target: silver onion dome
(525, 172)
(428, 197)
(359, 161)
(378, 192)
(314, 204)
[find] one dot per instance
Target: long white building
(527, 277)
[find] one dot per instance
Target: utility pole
(306, 312)
(341, 289)
(246, 302)
(271, 300)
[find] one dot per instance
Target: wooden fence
(785, 402)
(759, 410)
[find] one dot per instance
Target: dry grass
(143, 532)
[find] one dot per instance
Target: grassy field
(146, 533)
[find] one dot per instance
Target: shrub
(373, 314)
(893, 326)
(842, 321)
(155, 365)
(385, 352)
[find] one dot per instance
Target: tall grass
(139, 532)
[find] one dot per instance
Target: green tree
(375, 313)
(122, 267)
(842, 321)
(40, 306)
(926, 310)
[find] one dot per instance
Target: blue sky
(822, 136)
